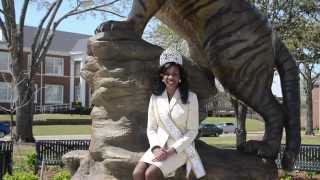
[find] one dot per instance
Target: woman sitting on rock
(173, 121)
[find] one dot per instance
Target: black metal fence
(6, 148)
(51, 151)
(308, 158)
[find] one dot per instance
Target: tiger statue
(242, 51)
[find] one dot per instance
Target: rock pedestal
(121, 73)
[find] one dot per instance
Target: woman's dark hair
(159, 86)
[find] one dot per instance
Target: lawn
(61, 130)
(251, 124)
(254, 129)
(229, 141)
(39, 117)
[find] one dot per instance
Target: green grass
(37, 117)
(229, 141)
(310, 139)
(251, 124)
(61, 130)
(221, 142)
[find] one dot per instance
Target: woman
(173, 122)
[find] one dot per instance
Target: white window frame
(7, 60)
(1, 36)
(48, 101)
(8, 92)
(29, 62)
(75, 69)
(77, 90)
(56, 62)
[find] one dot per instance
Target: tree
(303, 40)
(308, 55)
(297, 22)
(240, 111)
(165, 37)
(12, 29)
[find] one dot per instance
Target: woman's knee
(138, 174)
(139, 171)
(153, 173)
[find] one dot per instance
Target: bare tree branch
(36, 38)
(8, 21)
(315, 78)
(46, 32)
(103, 10)
(303, 75)
(23, 16)
(2, 12)
(46, 45)
(75, 11)
(4, 109)
(4, 29)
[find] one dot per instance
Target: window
(77, 93)
(53, 94)
(29, 62)
(54, 66)
(77, 65)
(4, 61)
(5, 92)
(1, 36)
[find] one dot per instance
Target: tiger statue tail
(289, 76)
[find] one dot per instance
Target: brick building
(58, 80)
(316, 105)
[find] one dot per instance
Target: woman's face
(171, 77)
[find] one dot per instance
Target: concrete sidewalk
(59, 137)
(62, 137)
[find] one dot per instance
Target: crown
(170, 55)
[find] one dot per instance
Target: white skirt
(168, 166)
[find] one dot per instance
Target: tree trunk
(24, 112)
(241, 114)
(309, 120)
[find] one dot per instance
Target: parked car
(209, 130)
(4, 129)
(227, 127)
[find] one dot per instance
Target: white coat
(184, 116)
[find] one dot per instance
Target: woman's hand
(162, 154)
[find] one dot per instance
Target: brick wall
(316, 106)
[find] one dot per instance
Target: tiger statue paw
(263, 149)
(118, 30)
(114, 26)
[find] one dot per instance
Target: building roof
(62, 41)
(80, 46)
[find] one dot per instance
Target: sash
(194, 161)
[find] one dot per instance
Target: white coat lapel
(163, 111)
(174, 99)
(163, 103)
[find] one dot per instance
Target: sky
(78, 24)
